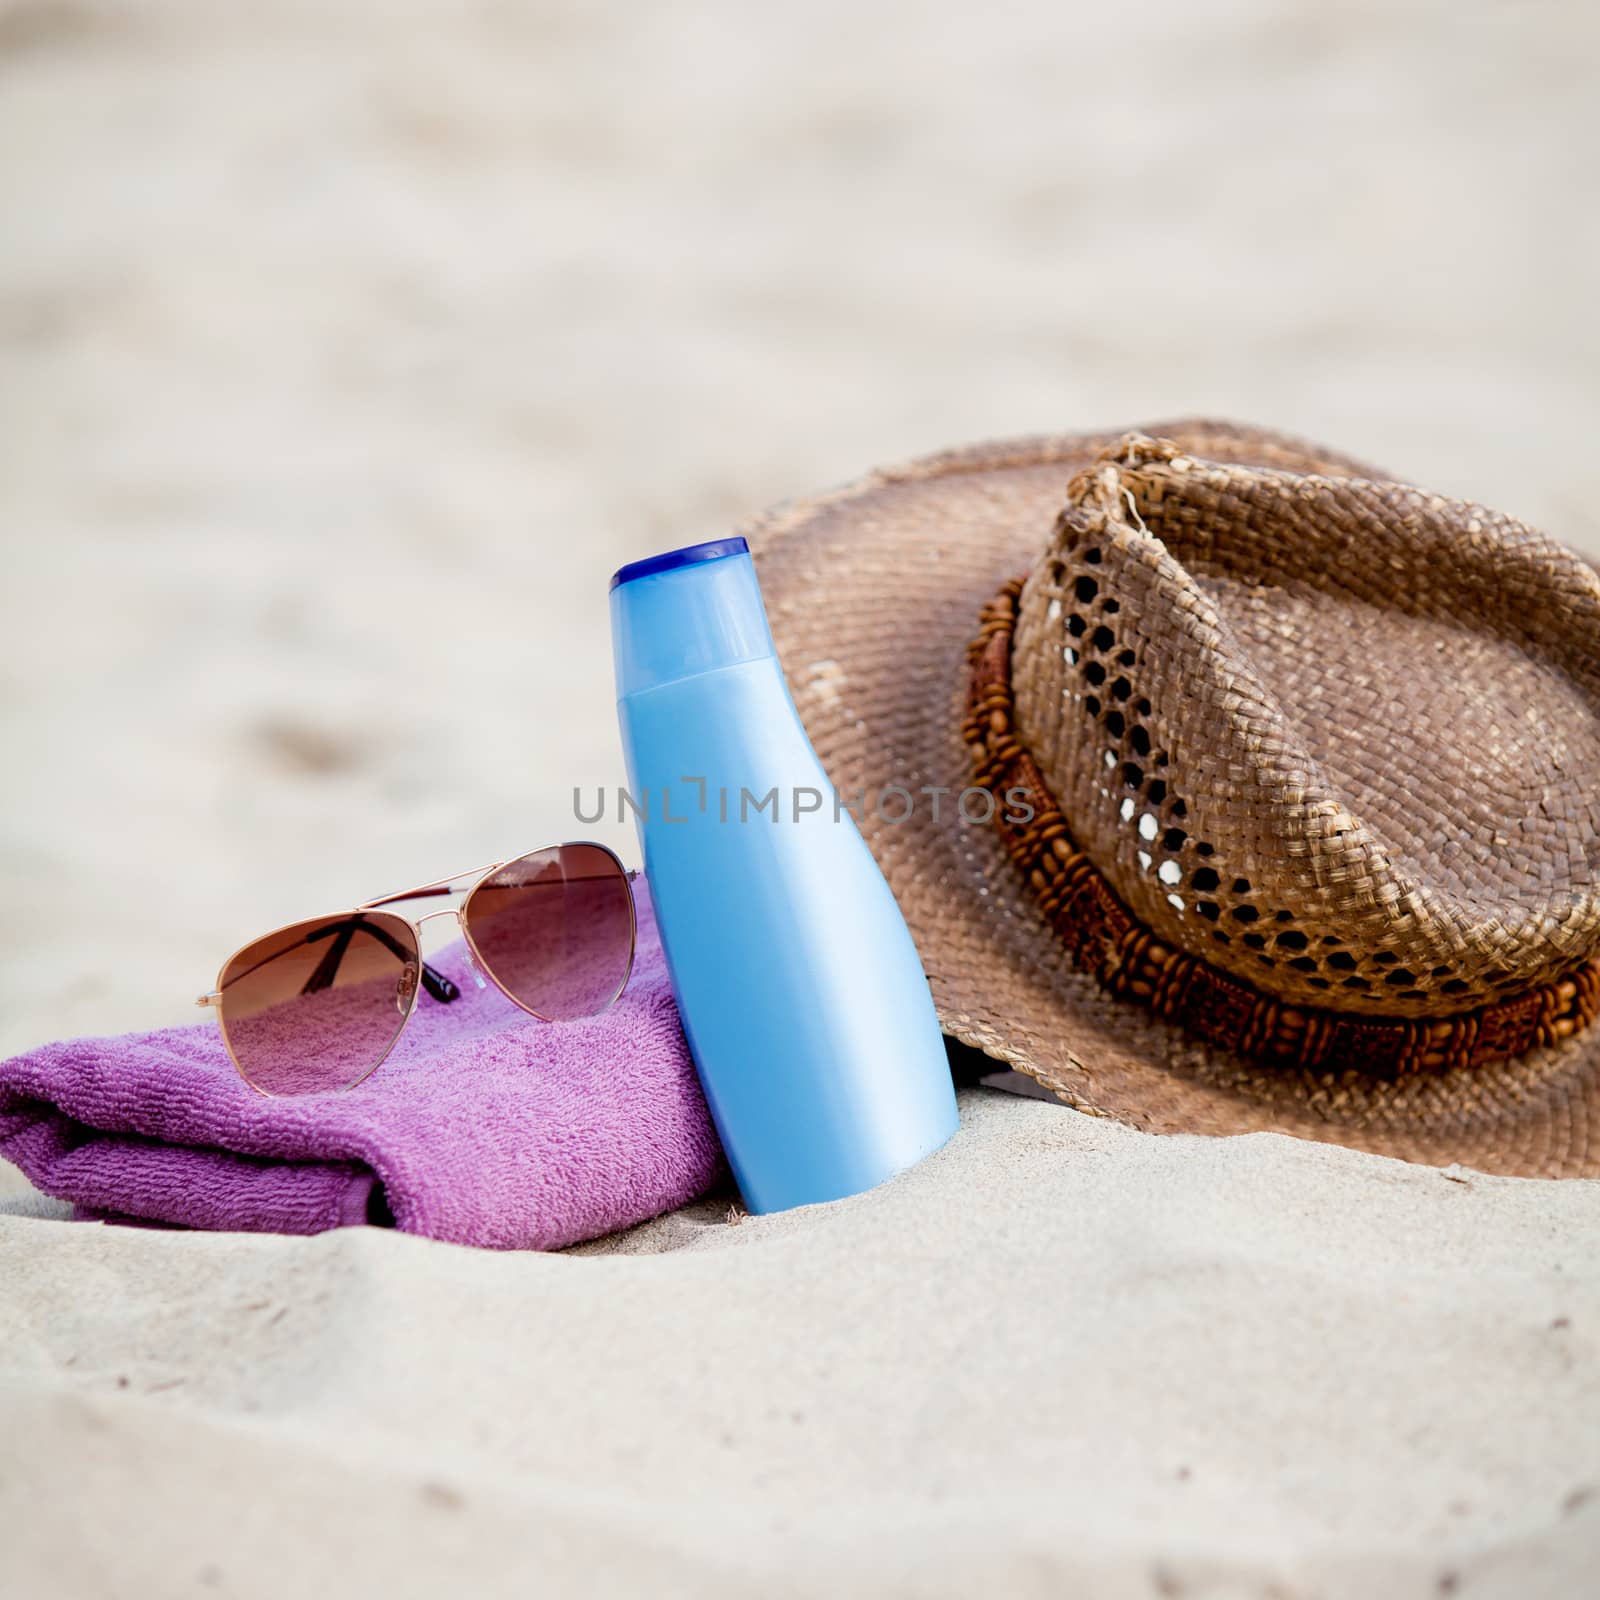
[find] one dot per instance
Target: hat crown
(1334, 735)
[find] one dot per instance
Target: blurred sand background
(346, 349)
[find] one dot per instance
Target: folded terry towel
(484, 1126)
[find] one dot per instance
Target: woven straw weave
(1339, 591)
(1331, 735)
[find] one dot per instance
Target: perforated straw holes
(1106, 685)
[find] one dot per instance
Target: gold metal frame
(481, 967)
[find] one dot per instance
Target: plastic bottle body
(801, 992)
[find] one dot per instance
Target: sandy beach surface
(344, 352)
(1062, 1357)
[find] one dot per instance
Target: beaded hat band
(1106, 941)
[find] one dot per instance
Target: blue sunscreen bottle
(801, 993)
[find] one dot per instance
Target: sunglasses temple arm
(328, 966)
(439, 986)
(434, 981)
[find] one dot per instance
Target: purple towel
(484, 1126)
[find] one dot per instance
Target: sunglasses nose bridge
(449, 911)
(471, 954)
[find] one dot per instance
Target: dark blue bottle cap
(711, 550)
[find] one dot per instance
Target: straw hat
(1294, 774)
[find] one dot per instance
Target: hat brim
(873, 592)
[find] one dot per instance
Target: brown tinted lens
(318, 1005)
(556, 929)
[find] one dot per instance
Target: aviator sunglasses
(317, 1005)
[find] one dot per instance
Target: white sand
(344, 350)
(1063, 1357)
